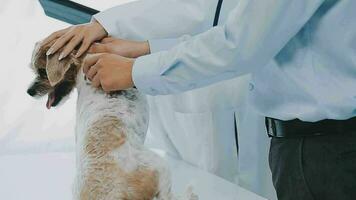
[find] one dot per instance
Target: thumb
(107, 40)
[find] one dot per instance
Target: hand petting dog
(82, 35)
(108, 63)
(126, 48)
(110, 71)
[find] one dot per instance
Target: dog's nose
(31, 92)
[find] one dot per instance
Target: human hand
(69, 38)
(126, 48)
(110, 71)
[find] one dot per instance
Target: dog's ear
(56, 69)
(39, 58)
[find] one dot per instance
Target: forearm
(254, 33)
(151, 19)
(157, 45)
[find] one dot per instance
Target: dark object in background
(67, 11)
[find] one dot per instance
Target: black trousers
(314, 168)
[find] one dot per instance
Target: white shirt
(162, 22)
(208, 125)
(301, 54)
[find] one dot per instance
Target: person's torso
(314, 76)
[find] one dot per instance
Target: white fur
(93, 105)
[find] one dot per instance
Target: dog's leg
(165, 182)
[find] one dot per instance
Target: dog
(111, 161)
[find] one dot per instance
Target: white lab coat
(197, 126)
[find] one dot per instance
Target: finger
(89, 61)
(92, 72)
(54, 35)
(107, 40)
(97, 48)
(60, 43)
(83, 47)
(70, 46)
(96, 81)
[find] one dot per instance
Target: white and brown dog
(112, 163)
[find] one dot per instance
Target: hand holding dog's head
(55, 78)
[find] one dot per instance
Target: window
(76, 12)
(104, 4)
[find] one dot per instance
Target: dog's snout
(31, 92)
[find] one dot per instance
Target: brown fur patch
(104, 177)
(143, 183)
(111, 136)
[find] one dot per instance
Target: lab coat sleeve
(153, 19)
(157, 45)
(254, 33)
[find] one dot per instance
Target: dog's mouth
(51, 99)
(58, 93)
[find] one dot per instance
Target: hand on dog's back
(68, 39)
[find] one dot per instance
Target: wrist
(141, 49)
(100, 29)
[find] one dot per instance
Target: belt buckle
(271, 127)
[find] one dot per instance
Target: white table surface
(50, 176)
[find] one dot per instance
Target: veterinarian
(301, 54)
(200, 132)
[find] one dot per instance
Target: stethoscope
(217, 13)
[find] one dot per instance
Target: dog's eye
(42, 73)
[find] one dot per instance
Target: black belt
(298, 128)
